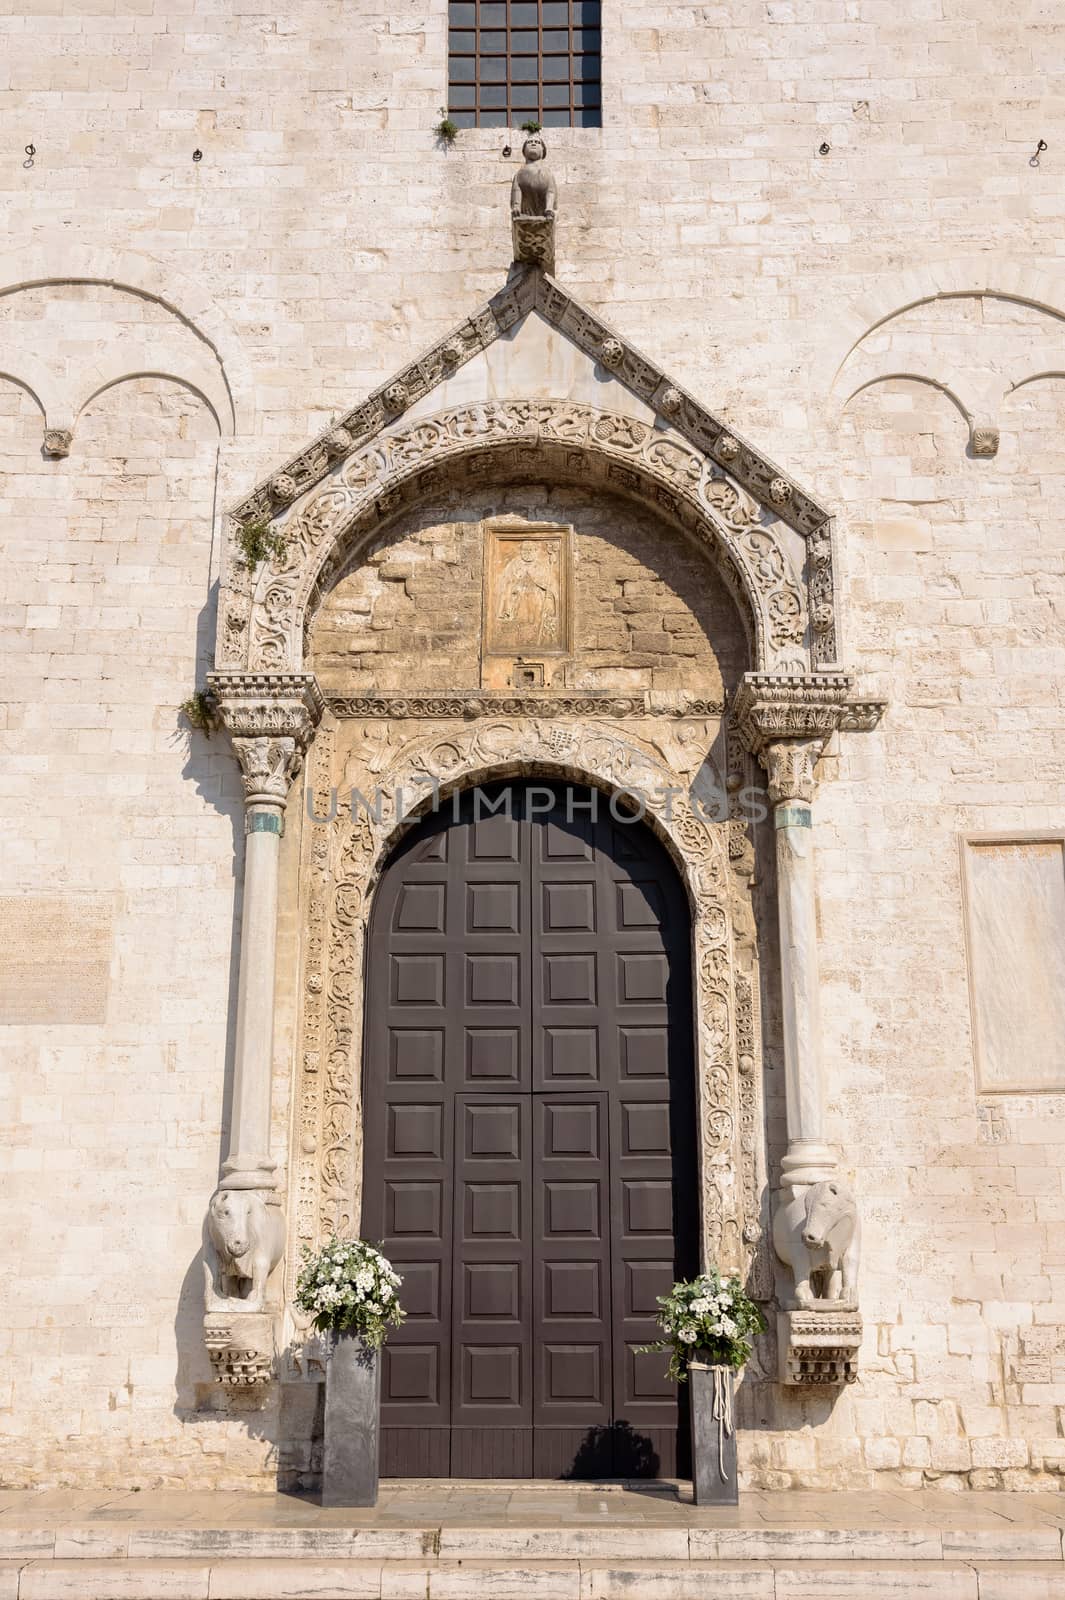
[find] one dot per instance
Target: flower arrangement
(349, 1287)
(707, 1319)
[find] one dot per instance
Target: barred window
(515, 61)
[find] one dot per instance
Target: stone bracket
(241, 1347)
(819, 1345)
(534, 242)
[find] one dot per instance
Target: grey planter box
(352, 1423)
(715, 1479)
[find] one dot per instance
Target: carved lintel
(270, 718)
(476, 703)
(819, 1346)
(534, 241)
(241, 1348)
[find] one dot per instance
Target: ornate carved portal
(408, 763)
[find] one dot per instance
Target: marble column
(790, 765)
(270, 718)
(786, 721)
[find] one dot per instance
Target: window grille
(515, 61)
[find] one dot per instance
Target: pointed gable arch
(668, 452)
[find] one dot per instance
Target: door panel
(530, 1137)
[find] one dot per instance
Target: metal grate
(515, 61)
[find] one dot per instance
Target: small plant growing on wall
(198, 711)
(446, 130)
(532, 126)
(259, 542)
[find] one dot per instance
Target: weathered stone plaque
(1015, 929)
(527, 589)
(55, 958)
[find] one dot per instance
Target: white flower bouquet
(349, 1287)
(707, 1319)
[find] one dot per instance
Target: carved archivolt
(347, 853)
(263, 625)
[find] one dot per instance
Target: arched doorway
(530, 1135)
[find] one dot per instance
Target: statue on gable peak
(534, 192)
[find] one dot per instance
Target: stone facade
(883, 319)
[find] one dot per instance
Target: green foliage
(707, 1319)
(446, 130)
(259, 541)
(349, 1287)
(532, 126)
(198, 711)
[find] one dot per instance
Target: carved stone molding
(264, 621)
(347, 854)
(430, 707)
(270, 718)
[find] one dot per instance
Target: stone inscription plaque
(55, 958)
(1015, 915)
(527, 590)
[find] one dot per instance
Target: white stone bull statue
(244, 1239)
(818, 1235)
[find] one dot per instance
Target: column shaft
(249, 1138)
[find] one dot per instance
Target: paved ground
(523, 1505)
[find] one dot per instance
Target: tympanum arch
(263, 625)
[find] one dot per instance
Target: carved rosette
(270, 719)
(347, 856)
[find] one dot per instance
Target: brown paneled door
(529, 1117)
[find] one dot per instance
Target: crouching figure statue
(818, 1235)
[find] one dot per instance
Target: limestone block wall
(238, 302)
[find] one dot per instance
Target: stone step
(303, 1577)
(595, 1542)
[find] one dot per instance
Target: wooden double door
(529, 1125)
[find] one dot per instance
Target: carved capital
(267, 769)
(787, 719)
(270, 718)
(791, 769)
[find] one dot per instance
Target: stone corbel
(786, 722)
(271, 719)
